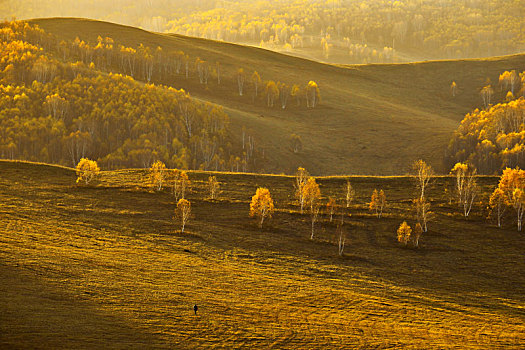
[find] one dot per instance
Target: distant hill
(373, 119)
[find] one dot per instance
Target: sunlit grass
(106, 266)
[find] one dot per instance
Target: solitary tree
(256, 81)
(377, 202)
(350, 193)
(403, 233)
(330, 207)
(87, 170)
(183, 211)
(157, 175)
(261, 205)
(296, 143)
(342, 236)
(241, 77)
(312, 199)
(213, 187)
(423, 213)
(453, 88)
(301, 176)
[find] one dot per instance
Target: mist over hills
(372, 119)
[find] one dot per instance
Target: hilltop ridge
(364, 111)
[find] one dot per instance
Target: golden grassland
(365, 109)
(105, 266)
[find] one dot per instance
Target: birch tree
(183, 211)
(87, 170)
(378, 202)
(261, 205)
(466, 186)
(312, 198)
(423, 174)
(350, 193)
(157, 175)
(498, 204)
(301, 177)
(403, 233)
(241, 77)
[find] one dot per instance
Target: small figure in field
(195, 308)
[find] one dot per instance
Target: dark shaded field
(106, 266)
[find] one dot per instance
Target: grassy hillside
(107, 266)
(373, 119)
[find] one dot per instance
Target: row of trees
(272, 92)
(145, 64)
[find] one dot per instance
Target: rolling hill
(106, 266)
(373, 119)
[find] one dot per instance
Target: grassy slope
(106, 266)
(374, 119)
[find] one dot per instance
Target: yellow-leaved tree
(180, 183)
(261, 205)
(453, 88)
(350, 193)
(313, 94)
(87, 170)
(466, 185)
(312, 199)
(157, 175)
(301, 176)
(378, 202)
(498, 204)
(416, 234)
(213, 187)
(183, 212)
(423, 212)
(403, 233)
(330, 207)
(423, 174)
(512, 183)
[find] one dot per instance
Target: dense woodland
(57, 107)
(365, 31)
(493, 138)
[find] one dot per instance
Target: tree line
(493, 138)
(434, 29)
(60, 112)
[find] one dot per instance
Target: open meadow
(106, 266)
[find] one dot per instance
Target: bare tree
(301, 176)
(423, 174)
(241, 77)
(350, 193)
(486, 95)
